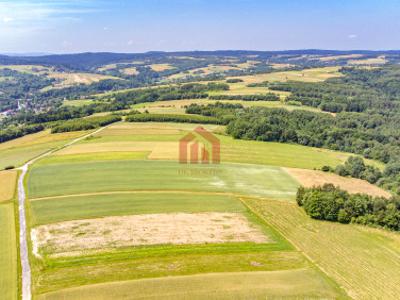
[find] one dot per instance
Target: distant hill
(86, 61)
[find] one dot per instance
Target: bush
(9, 168)
(234, 80)
(326, 169)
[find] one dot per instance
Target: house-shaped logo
(199, 146)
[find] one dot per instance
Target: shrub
(234, 80)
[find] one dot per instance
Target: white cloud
(130, 42)
(352, 36)
(7, 19)
(24, 16)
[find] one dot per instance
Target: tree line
(84, 123)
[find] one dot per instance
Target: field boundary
(152, 192)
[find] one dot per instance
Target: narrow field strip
(294, 284)
(247, 180)
(103, 205)
(8, 253)
(8, 183)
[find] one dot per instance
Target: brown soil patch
(310, 178)
(153, 229)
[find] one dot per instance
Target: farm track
(24, 251)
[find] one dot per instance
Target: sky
(71, 26)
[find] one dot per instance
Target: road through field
(24, 255)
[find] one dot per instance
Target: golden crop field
(8, 182)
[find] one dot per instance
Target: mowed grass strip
(8, 182)
(8, 254)
(365, 261)
(95, 206)
(92, 157)
(293, 284)
(177, 261)
(105, 176)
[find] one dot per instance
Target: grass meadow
(293, 284)
(95, 206)
(61, 179)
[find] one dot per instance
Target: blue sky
(63, 26)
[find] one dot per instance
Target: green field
(8, 253)
(131, 169)
(56, 180)
(95, 206)
(293, 284)
(125, 136)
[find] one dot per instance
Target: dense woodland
(333, 204)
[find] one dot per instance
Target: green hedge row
(171, 118)
(84, 123)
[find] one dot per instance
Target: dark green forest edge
(333, 204)
(363, 110)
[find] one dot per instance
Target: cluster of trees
(147, 117)
(258, 97)
(356, 168)
(84, 123)
(333, 204)
(185, 91)
(224, 112)
(234, 80)
(14, 132)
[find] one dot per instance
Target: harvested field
(71, 79)
(380, 60)
(364, 261)
(337, 57)
(161, 67)
(8, 181)
(310, 178)
(289, 284)
(152, 229)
